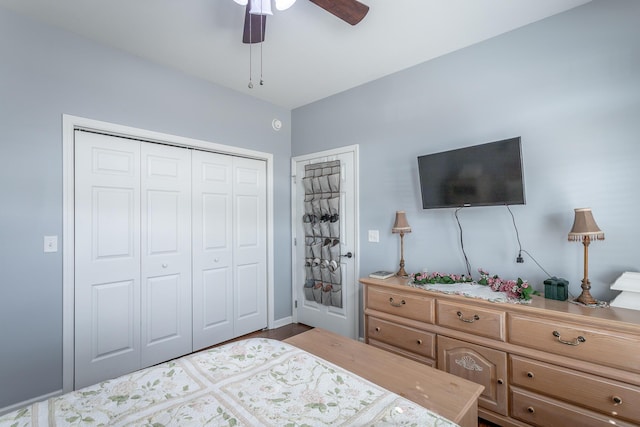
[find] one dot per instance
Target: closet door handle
(347, 255)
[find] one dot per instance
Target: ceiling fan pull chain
(250, 38)
(250, 82)
(261, 43)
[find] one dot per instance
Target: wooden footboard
(445, 394)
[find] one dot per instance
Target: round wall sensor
(276, 124)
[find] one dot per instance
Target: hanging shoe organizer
(321, 220)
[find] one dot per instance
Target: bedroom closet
(170, 252)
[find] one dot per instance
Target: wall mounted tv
(481, 175)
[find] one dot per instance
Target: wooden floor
(281, 333)
(292, 329)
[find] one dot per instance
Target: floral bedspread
(254, 382)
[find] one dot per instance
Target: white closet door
(250, 245)
(166, 253)
(107, 257)
(212, 249)
(170, 253)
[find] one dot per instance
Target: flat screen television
(481, 175)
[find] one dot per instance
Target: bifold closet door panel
(170, 252)
(166, 253)
(250, 245)
(107, 257)
(133, 255)
(212, 211)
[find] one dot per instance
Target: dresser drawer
(482, 365)
(401, 304)
(607, 348)
(542, 411)
(404, 337)
(472, 319)
(618, 400)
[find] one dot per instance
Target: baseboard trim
(24, 403)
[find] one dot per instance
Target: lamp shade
(585, 226)
(260, 7)
(401, 225)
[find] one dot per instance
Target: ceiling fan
(255, 18)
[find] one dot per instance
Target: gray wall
(568, 85)
(45, 73)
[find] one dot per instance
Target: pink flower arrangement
(515, 289)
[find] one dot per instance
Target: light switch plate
(51, 243)
(374, 236)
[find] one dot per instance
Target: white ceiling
(308, 54)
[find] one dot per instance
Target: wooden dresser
(548, 363)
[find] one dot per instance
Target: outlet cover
(374, 236)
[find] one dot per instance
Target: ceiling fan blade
(351, 11)
(254, 27)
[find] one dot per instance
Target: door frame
(355, 149)
(69, 125)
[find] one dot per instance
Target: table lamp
(585, 230)
(401, 226)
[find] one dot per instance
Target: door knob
(347, 255)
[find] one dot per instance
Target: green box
(556, 288)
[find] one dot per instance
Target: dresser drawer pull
(531, 410)
(396, 304)
(419, 342)
(500, 381)
(576, 341)
(473, 319)
(617, 400)
(530, 374)
(377, 328)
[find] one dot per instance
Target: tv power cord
(466, 260)
(519, 258)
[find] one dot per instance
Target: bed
(252, 382)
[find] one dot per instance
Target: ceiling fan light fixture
(260, 7)
(284, 4)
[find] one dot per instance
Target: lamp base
(585, 297)
(401, 272)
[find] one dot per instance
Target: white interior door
(342, 320)
(133, 255)
(107, 257)
(250, 245)
(212, 249)
(125, 247)
(166, 252)
(229, 247)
